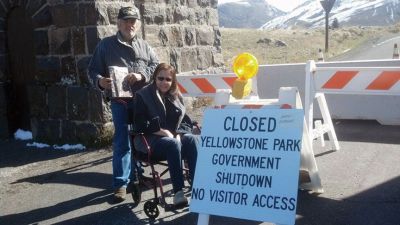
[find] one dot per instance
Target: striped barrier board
(270, 105)
(207, 84)
(261, 104)
(372, 80)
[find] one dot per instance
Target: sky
(284, 5)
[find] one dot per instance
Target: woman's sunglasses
(168, 79)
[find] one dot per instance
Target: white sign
(248, 164)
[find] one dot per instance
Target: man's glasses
(168, 79)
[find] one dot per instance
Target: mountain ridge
(246, 13)
(309, 14)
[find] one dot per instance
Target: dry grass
(301, 45)
(197, 107)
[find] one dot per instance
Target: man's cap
(129, 13)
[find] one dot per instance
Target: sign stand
(203, 219)
(288, 98)
(290, 95)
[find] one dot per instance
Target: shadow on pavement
(73, 176)
(122, 214)
(377, 205)
(42, 214)
(15, 153)
(118, 214)
(366, 131)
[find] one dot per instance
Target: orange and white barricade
(203, 85)
(214, 85)
(344, 80)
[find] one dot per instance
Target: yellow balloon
(245, 66)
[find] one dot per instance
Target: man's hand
(105, 83)
(133, 78)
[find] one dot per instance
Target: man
(123, 49)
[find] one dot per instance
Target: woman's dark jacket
(152, 112)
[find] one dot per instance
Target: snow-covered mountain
(310, 14)
(246, 13)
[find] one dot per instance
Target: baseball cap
(129, 13)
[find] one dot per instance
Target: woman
(160, 114)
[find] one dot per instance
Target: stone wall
(183, 33)
(63, 106)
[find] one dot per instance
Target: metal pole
(326, 30)
(327, 5)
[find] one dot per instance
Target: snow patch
(22, 135)
(27, 135)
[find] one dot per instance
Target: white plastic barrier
(344, 106)
(344, 80)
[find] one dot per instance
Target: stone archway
(21, 52)
(60, 105)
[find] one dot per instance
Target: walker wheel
(151, 209)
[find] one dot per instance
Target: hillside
(246, 14)
(310, 14)
(296, 45)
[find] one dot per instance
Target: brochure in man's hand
(120, 87)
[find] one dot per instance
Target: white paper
(120, 87)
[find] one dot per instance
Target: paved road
(46, 186)
(381, 48)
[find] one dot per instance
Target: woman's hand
(178, 137)
(168, 133)
(165, 133)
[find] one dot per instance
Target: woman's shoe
(179, 199)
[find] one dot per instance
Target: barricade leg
(320, 135)
(328, 121)
(309, 98)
